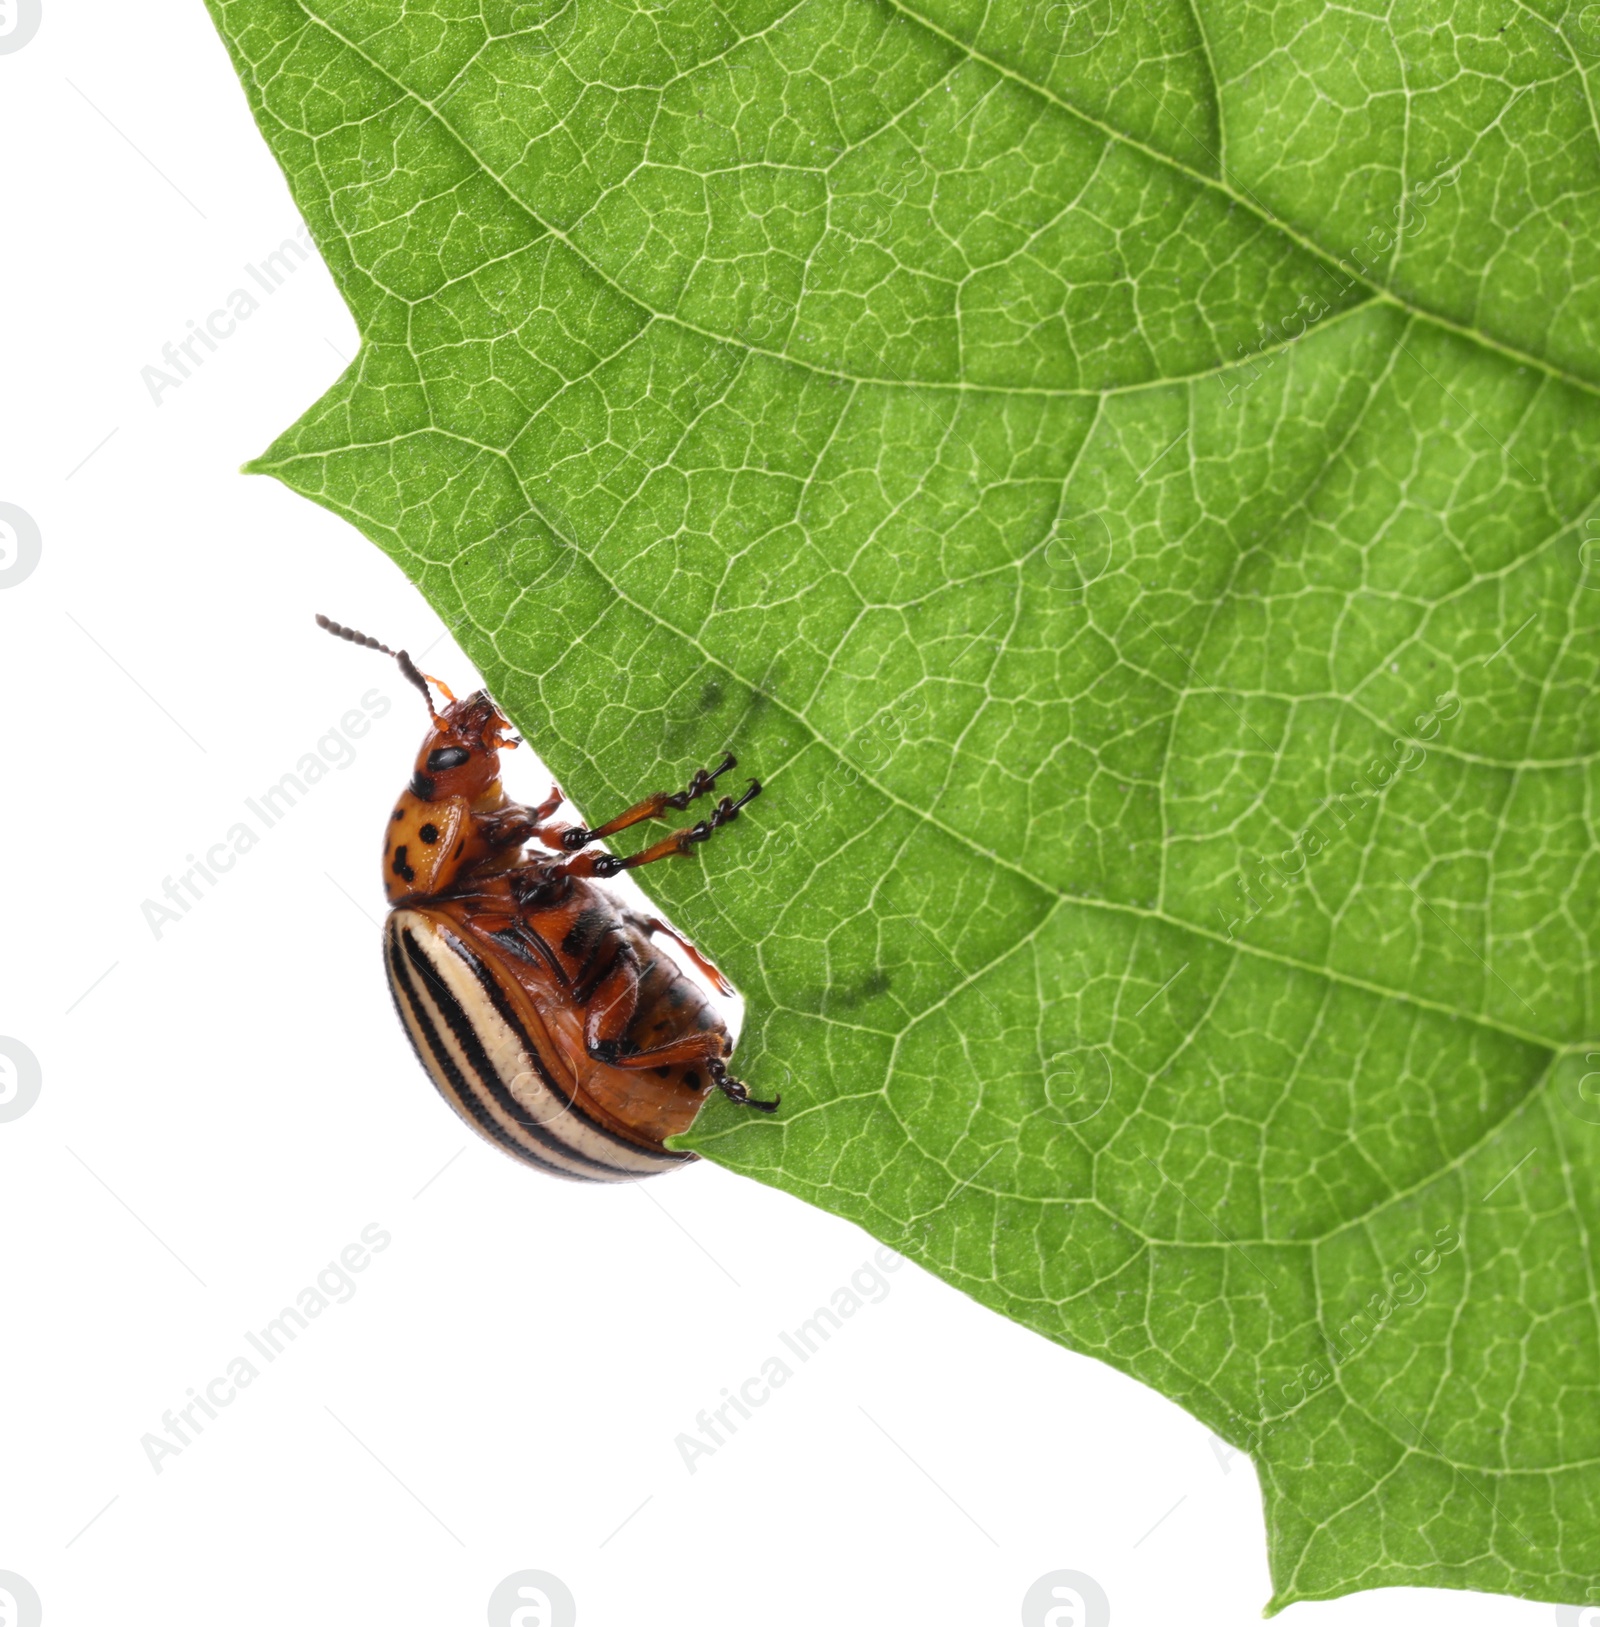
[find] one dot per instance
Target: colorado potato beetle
(543, 1008)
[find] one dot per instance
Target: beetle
(544, 1009)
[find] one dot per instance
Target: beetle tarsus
(736, 1090)
(679, 842)
(654, 806)
(724, 813)
(702, 782)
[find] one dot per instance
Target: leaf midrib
(1244, 200)
(1379, 292)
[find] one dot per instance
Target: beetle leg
(571, 837)
(614, 1000)
(702, 1048)
(655, 926)
(611, 864)
(612, 995)
(699, 1048)
(507, 827)
(736, 1090)
(514, 824)
(610, 989)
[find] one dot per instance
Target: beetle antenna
(409, 668)
(367, 642)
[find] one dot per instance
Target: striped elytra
(486, 1050)
(543, 1008)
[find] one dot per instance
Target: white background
(225, 1107)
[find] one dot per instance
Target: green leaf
(1122, 475)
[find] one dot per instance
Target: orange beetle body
(543, 1008)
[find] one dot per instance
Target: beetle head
(460, 754)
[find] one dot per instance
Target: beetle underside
(545, 1011)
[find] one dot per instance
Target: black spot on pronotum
(447, 757)
(421, 786)
(429, 834)
(401, 868)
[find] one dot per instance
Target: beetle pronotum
(543, 1009)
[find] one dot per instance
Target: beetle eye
(447, 757)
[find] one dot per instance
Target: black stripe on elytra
(466, 1037)
(400, 984)
(474, 1099)
(507, 1013)
(464, 1097)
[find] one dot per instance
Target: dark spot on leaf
(875, 983)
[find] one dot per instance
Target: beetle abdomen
(485, 1061)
